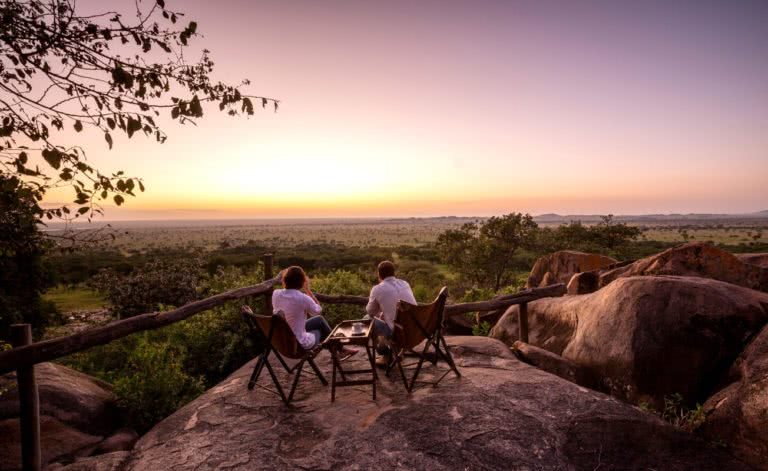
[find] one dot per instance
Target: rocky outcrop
(647, 337)
(551, 363)
(74, 398)
(738, 414)
(759, 259)
(559, 267)
(500, 414)
(79, 417)
(58, 442)
(694, 259)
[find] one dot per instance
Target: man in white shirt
(382, 303)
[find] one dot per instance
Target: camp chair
(416, 324)
(280, 341)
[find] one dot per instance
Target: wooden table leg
(371, 352)
(333, 376)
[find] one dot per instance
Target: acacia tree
(61, 69)
(483, 252)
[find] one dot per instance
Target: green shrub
(679, 414)
(154, 384)
(143, 290)
(483, 329)
(341, 282)
(156, 372)
(147, 373)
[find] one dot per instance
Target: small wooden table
(342, 336)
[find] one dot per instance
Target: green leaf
(53, 157)
(119, 200)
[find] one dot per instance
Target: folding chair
(280, 341)
(416, 324)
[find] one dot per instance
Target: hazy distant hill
(648, 218)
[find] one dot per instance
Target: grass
(68, 299)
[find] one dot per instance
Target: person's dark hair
(293, 278)
(385, 269)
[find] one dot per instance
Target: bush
(144, 290)
(147, 373)
(341, 282)
(483, 329)
(156, 372)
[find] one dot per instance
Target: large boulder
(74, 398)
(501, 414)
(559, 267)
(58, 442)
(738, 414)
(644, 338)
(694, 259)
(551, 363)
(77, 413)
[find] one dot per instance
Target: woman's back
(295, 305)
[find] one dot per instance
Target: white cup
(357, 328)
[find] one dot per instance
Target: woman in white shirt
(302, 310)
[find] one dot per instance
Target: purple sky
(471, 108)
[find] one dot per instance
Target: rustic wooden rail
(26, 354)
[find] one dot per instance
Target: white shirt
(384, 297)
(295, 305)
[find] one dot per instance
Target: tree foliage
(483, 251)
(608, 237)
(147, 289)
(63, 70)
(22, 278)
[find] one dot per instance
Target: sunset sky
(426, 108)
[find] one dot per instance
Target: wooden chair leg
(256, 373)
(276, 381)
(402, 373)
(296, 378)
(421, 362)
(317, 371)
(448, 357)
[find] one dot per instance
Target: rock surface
(74, 398)
(501, 414)
(77, 411)
(738, 414)
(648, 337)
(759, 259)
(58, 442)
(551, 363)
(559, 267)
(694, 259)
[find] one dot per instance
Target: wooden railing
(26, 354)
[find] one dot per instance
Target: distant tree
(61, 69)
(483, 252)
(608, 236)
(611, 234)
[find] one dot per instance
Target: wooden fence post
(268, 259)
(29, 403)
(522, 321)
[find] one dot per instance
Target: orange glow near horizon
(445, 108)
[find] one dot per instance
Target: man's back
(385, 296)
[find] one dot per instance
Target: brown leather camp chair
(280, 341)
(416, 324)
